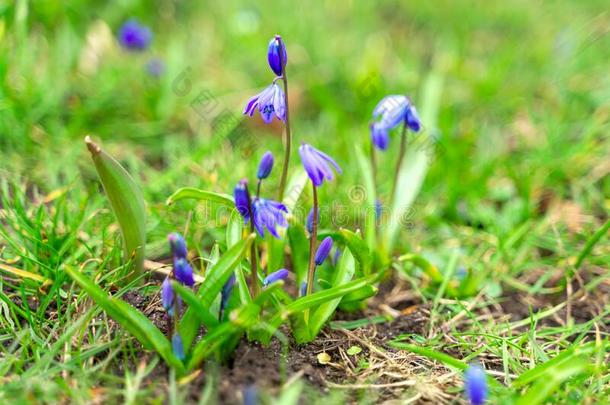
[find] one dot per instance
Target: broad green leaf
(343, 274)
(129, 318)
(196, 194)
(423, 264)
(275, 253)
(215, 278)
(360, 295)
(127, 203)
(299, 249)
(359, 249)
(235, 227)
(294, 189)
(416, 160)
(191, 299)
(366, 171)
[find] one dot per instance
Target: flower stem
(253, 262)
(401, 155)
(288, 139)
(312, 241)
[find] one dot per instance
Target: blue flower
(183, 272)
(281, 274)
(271, 101)
(177, 346)
(242, 199)
(378, 209)
(393, 111)
(323, 250)
(317, 164)
(269, 214)
(303, 289)
(276, 55)
(167, 295)
(265, 166)
(225, 293)
(475, 384)
(133, 36)
(177, 245)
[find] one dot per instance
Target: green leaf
(127, 203)
(299, 248)
(343, 274)
(360, 295)
(416, 160)
(359, 249)
(129, 318)
(215, 277)
(275, 253)
(235, 227)
(366, 171)
(196, 194)
(191, 299)
(294, 189)
(423, 264)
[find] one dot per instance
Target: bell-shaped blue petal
(242, 199)
(269, 214)
(323, 250)
(177, 245)
(183, 272)
(281, 274)
(265, 166)
(475, 384)
(380, 136)
(276, 55)
(177, 346)
(271, 102)
(317, 164)
(412, 119)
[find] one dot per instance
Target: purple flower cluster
(183, 273)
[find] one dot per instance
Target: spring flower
(276, 55)
(317, 164)
(167, 295)
(133, 36)
(303, 289)
(265, 166)
(183, 272)
(393, 111)
(242, 199)
(225, 293)
(281, 274)
(378, 209)
(177, 245)
(475, 384)
(269, 214)
(323, 250)
(177, 346)
(271, 101)
(310, 220)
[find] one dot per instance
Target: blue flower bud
(242, 199)
(378, 209)
(225, 294)
(310, 220)
(177, 245)
(412, 119)
(134, 37)
(265, 166)
(303, 290)
(323, 250)
(276, 55)
(167, 294)
(475, 384)
(177, 346)
(281, 274)
(183, 272)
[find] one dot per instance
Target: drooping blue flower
(379, 135)
(134, 36)
(475, 384)
(390, 112)
(242, 199)
(177, 346)
(270, 102)
(177, 245)
(183, 272)
(276, 55)
(269, 214)
(167, 295)
(281, 274)
(303, 289)
(265, 166)
(310, 220)
(323, 250)
(317, 164)
(225, 294)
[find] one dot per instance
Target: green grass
(518, 190)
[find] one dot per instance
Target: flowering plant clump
(241, 289)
